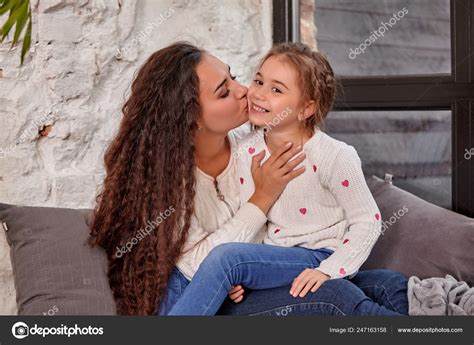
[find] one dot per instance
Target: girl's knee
(222, 254)
(223, 250)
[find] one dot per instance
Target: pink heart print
(303, 211)
(251, 150)
(342, 271)
(345, 241)
(241, 180)
(314, 168)
(377, 216)
(276, 231)
(345, 183)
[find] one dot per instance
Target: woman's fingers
(256, 160)
(286, 156)
(275, 155)
(236, 292)
(293, 163)
(235, 288)
(239, 299)
(295, 173)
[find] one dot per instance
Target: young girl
(325, 223)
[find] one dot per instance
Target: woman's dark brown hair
(149, 172)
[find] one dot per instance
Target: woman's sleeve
(346, 182)
(243, 227)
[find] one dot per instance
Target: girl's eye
(226, 94)
(276, 90)
(258, 82)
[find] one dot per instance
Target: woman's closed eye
(227, 92)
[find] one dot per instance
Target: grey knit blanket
(440, 296)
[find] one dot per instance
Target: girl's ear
(309, 109)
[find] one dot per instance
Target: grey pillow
(419, 238)
(56, 272)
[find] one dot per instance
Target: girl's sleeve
(346, 182)
(243, 227)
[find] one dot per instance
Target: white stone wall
(76, 79)
(61, 109)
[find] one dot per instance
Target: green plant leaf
(20, 14)
(8, 4)
(27, 39)
(12, 19)
(21, 21)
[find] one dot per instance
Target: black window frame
(453, 92)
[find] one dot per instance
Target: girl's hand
(310, 278)
(236, 294)
(271, 177)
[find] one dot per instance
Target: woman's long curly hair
(149, 172)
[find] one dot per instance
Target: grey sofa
(56, 272)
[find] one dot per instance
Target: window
(406, 70)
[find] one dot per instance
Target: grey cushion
(56, 272)
(419, 238)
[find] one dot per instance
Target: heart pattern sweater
(328, 206)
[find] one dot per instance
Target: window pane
(414, 146)
(380, 37)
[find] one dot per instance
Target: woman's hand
(236, 294)
(271, 177)
(309, 279)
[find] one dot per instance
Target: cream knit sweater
(329, 205)
(219, 216)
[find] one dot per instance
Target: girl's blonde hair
(316, 78)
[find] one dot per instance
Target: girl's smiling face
(274, 91)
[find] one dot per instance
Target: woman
(173, 152)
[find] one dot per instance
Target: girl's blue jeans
(266, 273)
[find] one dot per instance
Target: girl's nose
(258, 95)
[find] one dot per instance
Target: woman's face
(223, 100)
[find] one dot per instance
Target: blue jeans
(266, 272)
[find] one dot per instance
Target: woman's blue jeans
(266, 272)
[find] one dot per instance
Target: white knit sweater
(328, 206)
(217, 221)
